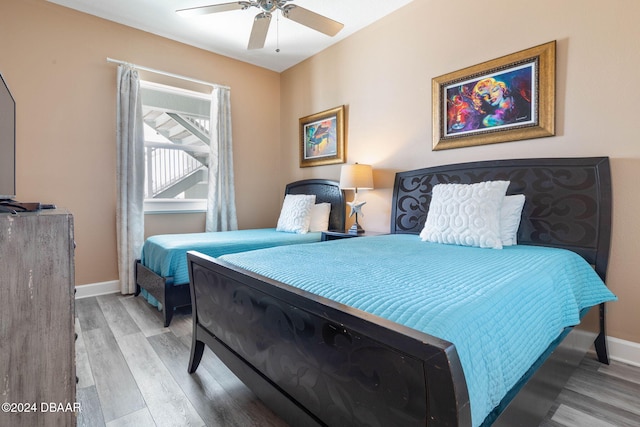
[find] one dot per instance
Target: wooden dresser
(37, 337)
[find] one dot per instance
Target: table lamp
(356, 177)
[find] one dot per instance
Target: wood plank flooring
(133, 372)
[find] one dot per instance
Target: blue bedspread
(165, 254)
(501, 308)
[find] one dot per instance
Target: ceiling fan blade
(214, 8)
(259, 31)
(312, 20)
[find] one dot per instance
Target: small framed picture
(505, 99)
(322, 138)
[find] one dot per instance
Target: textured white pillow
(320, 217)
(295, 215)
(510, 215)
(466, 214)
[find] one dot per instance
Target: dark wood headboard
(568, 200)
(326, 191)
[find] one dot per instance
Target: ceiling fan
(261, 21)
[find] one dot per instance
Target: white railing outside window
(166, 166)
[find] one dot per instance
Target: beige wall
(54, 61)
(383, 75)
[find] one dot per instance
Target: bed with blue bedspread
(167, 253)
(161, 272)
(393, 330)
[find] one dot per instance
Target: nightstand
(341, 234)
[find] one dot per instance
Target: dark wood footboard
(162, 288)
(317, 362)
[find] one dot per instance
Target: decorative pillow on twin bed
(510, 216)
(320, 217)
(466, 214)
(295, 215)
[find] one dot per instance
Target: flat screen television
(7, 143)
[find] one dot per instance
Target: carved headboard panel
(568, 200)
(326, 191)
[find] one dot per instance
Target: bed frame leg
(601, 349)
(601, 340)
(135, 276)
(168, 315)
(197, 348)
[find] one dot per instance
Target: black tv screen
(7, 143)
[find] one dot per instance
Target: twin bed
(161, 272)
(395, 331)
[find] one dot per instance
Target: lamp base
(355, 229)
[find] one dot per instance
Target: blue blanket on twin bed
(501, 308)
(165, 254)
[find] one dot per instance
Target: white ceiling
(227, 33)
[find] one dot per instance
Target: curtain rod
(165, 73)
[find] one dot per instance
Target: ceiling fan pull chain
(277, 33)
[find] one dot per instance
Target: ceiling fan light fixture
(268, 5)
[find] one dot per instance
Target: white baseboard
(619, 350)
(624, 351)
(95, 289)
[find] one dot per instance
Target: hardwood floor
(133, 372)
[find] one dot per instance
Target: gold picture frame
(505, 99)
(322, 138)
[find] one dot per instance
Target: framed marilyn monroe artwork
(505, 99)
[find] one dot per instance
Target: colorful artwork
(501, 100)
(493, 101)
(322, 138)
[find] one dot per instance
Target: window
(176, 140)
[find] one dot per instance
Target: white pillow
(510, 215)
(466, 214)
(295, 215)
(320, 217)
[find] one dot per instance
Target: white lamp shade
(356, 176)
